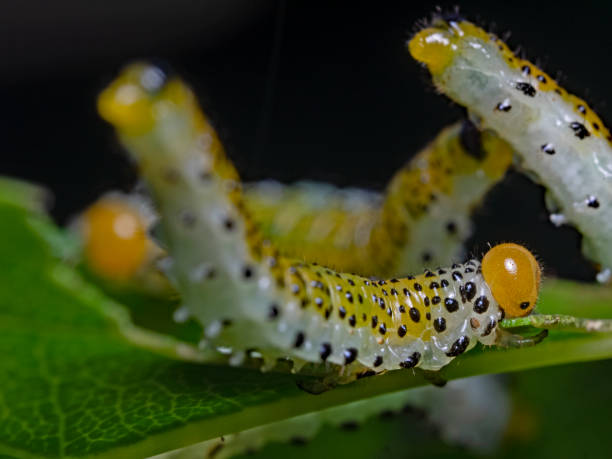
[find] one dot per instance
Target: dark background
(298, 89)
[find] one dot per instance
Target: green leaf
(71, 383)
(79, 379)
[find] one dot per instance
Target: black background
(318, 90)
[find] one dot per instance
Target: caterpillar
(560, 140)
(248, 296)
(404, 230)
(349, 229)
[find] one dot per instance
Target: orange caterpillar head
(513, 275)
(115, 239)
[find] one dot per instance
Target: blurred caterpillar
(422, 219)
(470, 412)
(352, 230)
(559, 138)
(248, 296)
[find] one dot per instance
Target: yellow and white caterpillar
(422, 219)
(560, 140)
(247, 296)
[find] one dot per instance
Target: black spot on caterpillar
(526, 89)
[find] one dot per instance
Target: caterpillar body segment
(421, 220)
(315, 221)
(560, 140)
(246, 294)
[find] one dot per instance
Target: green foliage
(79, 379)
(73, 386)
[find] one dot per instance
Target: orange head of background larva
(513, 275)
(115, 239)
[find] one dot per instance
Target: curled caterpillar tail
(422, 219)
(247, 296)
(559, 138)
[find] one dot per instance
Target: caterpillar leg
(511, 340)
(315, 386)
(434, 378)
